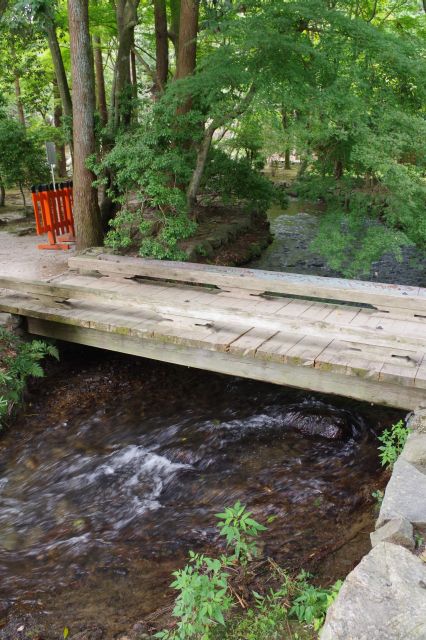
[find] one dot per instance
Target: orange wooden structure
(53, 211)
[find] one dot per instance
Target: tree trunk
(338, 169)
(194, 185)
(161, 45)
(58, 65)
(57, 121)
(100, 80)
(204, 147)
(174, 25)
(21, 189)
(133, 74)
(188, 27)
(287, 163)
(19, 105)
(134, 79)
(2, 195)
(126, 13)
(86, 208)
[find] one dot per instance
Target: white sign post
(51, 159)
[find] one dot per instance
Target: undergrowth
(19, 361)
(209, 589)
(393, 441)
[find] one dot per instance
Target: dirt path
(19, 255)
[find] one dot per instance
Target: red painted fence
(53, 211)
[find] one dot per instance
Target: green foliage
(311, 604)
(149, 161)
(19, 361)
(240, 531)
(378, 495)
(393, 441)
(22, 158)
(237, 181)
(206, 595)
(203, 598)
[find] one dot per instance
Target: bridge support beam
(310, 378)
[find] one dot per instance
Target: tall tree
(57, 60)
(173, 32)
(57, 122)
(161, 45)
(86, 208)
(127, 19)
(19, 105)
(188, 28)
(100, 79)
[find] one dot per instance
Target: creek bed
(119, 464)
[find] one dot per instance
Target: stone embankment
(384, 597)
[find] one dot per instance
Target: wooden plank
(231, 364)
(294, 308)
(293, 348)
(398, 326)
(277, 345)
(368, 361)
(373, 293)
(273, 322)
(343, 315)
(251, 341)
(420, 379)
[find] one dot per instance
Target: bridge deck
(357, 339)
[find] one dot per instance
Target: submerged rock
(317, 421)
(91, 633)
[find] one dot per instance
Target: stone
(140, 631)
(415, 450)
(383, 598)
(398, 531)
(92, 633)
(417, 421)
(405, 496)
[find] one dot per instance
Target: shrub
(18, 361)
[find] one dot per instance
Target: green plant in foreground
(18, 361)
(203, 598)
(240, 530)
(311, 604)
(393, 441)
(206, 594)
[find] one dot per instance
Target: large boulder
(405, 495)
(383, 598)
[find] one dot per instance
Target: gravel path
(20, 257)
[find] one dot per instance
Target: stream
(118, 466)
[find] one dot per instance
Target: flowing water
(119, 464)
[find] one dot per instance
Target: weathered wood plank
(356, 359)
(273, 322)
(231, 364)
(373, 293)
(251, 341)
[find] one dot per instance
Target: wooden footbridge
(362, 340)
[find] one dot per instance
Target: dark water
(118, 466)
(296, 227)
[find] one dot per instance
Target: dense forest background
(164, 107)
